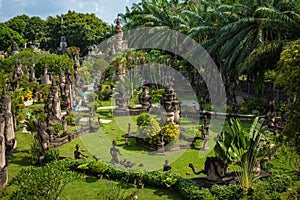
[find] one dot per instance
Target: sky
(106, 10)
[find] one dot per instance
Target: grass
(94, 188)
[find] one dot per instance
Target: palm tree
(251, 40)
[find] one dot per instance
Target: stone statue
(69, 89)
(118, 44)
(14, 49)
(18, 70)
(46, 77)
(32, 74)
(171, 105)
(43, 139)
(214, 168)
(115, 152)
(64, 124)
(77, 153)
(3, 165)
(145, 99)
(52, 108)
(9, 133)
(167, 167)
(271, 115)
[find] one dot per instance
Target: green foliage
(51, 155)
(148, 128)
(94, 167)
(288, 77)
(92, 31)
(169, 181)
(54, 63)
(270, 188)
(70, 119)
(33, 155)
(105, 94)
(57, 127)
(170, 132)
(42, 182)
(252, 106)
(156, 95)
(32, 29)
(8, 36)
(231, 191)
(143, 119)
(27, 57)
(190, 190)
(244, 149)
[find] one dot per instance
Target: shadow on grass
(20, 157)
(170, 193)
(91, 179)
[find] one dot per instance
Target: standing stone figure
(118, 44)
(14, 49)
(46, 77)
(171, 105)
(43, 139)
(32, 74)
(115, 152)
(145, 99)
(69, 89)
(3, 165)
(52, 108)
(18, 73)
(9, 133)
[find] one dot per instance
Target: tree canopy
(8, 36)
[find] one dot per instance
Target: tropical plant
(245, 149)
(42, 182)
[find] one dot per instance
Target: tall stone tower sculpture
(63, 40)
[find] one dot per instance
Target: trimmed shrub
(232, 191)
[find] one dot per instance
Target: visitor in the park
(78, 154)
(115, 152)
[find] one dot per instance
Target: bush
(190, 190)
(232, 191)
(51, 155)
(42, 182)
(170, 132)
(277, 183)
(148, 129)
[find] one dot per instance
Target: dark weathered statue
(214, 168)
(145, 99)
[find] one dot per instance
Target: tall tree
(81, 30)
(7, 36)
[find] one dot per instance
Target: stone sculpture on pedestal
(52, 108)
(171, 105)
(145, 99)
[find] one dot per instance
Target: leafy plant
(170, 132)
(232, 191)
(148, 128)
(246, 149)
(42, 182)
